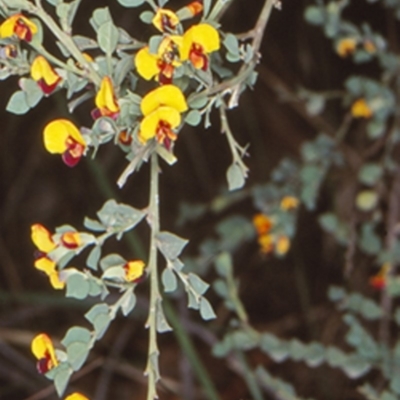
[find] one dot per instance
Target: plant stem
(65, 39)
(155, 298)
(249, 377)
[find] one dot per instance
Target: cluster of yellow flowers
(45, 243)
(348, 45)
(269, 240)
(161, 107)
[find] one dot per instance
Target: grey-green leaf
(206, 310)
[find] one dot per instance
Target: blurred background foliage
(285, 298)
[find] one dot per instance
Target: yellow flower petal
(46, 265)
(57, 133)
(105, 99)
(41, 237)
(146, 64)
(165, 20)
(282, 245)
(42, 347)
(203, 35)
(18, 25)
(76, 396)
(289, 203)
(134, 270)
(150, 124)
(166, 95)
(361, 109)
(346, 47)
(41, 69)
(262, 223)
(266, 243)
(71, 240)
(55, 281)
(43, 73)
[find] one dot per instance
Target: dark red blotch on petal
(47, 89)
(22, 30)
(43, 365)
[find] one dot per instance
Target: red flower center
(44, 364)
(73, 153)
(22, 30)
(198, 57)
(164, 134)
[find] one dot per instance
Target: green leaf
(232, 44)
(33, 93)
(100, 324)
(314, 355)
(76, 334)
(315, 15)
(112, 260)
(193, 118)
(370, 243)
(99, 17)
(146, 17)
(223, 263)
(206, 310)
(107, 37)
(335, 357)
(170, 245)
(61, 378)
(128, 304)
(131, 3)
(94, 257)
(275, 348)
(336, 293)
(235, 176)
(77, 286)
(154, 43)
(116, 273)
(99, 316)
(169, 280)
(121, 217)
(77, 353)
(93, 225)
(162, 324)
(370, 174)
(206, 7)
(198, 285)
(54, 2)
(356, 366)
(196, 101)
(18, 103)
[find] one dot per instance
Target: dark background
(285, 297)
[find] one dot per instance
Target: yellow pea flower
(282, 245)
(160, 65)
(76, 396)
(18, 25)
(45, 76)
(167, 95)
(161, 109)
(361, 109)
(63, 137)
(345, 47)
(198, 41)
(266, 243)
(165, 20)
(41, 237)
(134, 270)
(289, 203)
(195, 7)
(43, 349)
(106, 101)
(71, 240)
(262, 223)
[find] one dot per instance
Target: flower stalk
(155, 297)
